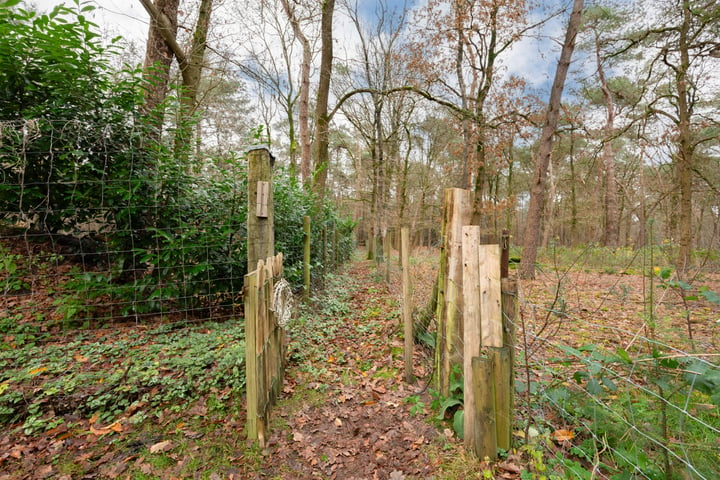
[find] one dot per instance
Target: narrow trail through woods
(344, 412)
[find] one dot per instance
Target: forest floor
(163, 400)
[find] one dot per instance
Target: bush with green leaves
(292, 202)
(157, 231)
(66, 119)
(195, 253)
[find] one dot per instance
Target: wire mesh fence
(101, 222)
(93, 231)
(610, 380)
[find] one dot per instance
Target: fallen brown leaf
(163, 446)
(563, 435)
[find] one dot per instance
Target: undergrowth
(107, 373)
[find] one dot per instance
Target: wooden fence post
(407, 304)
(491, 299)
(471, 332)
(484, 438)
(251, 369)
(386, 253)
(502, 378)
(449, 342)
(505, 255)
(260, 217)
(486, 363)
(306, 258)
(324, 237)
(264, 347)
(509, 318)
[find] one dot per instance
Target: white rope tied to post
(283, 303)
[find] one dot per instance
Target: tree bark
(612, 222)
(304, 103)
(542, 160)
(158, 58)
(192, 74)
(322, 121)
(191, 63)
(684, 160)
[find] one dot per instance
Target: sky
(532, 58)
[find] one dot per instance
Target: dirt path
(345, 413)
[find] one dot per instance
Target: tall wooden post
(306, 257)
(471, 333)
(449, 343)
(386, 254)
(509, 313)
(407, 304)
(260, 218)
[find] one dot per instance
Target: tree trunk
(612, 224)
(684, 159)
(192, 74)
(542, 160)
(190, 64)
(322, 121)
(304, 103)
(156, 69)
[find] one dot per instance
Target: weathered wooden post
(486, 361)
(471, 333)
(484, 439)
(386, 253)
(306, 258)
(449, 343)
(335, 258)
(260, 218)
(505, 253)
(324, 237)
(509, 319)
(407, 304)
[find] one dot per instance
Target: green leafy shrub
(64, 117)
(156, 231)
(651, 409)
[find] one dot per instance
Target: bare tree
(304, 104)
(542, 159)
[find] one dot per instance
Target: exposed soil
(362, 427)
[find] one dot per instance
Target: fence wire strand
(542, 349)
